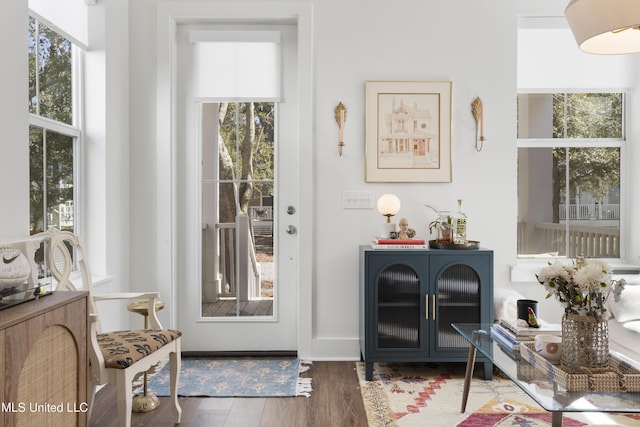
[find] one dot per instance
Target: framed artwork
(408, 131)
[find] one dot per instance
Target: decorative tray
(469, 244)
(620, 376)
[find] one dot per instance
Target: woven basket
(585, 343)
(621, 375)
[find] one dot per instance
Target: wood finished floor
(226, 308)
(334, 402)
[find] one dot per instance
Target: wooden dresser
(43, 361)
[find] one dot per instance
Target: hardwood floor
(334, 402)
(226, 308)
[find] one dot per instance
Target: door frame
(169, 15)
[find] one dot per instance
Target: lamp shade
(605, 26)
(388, 205)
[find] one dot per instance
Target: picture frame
(408, 131)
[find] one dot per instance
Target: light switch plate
(357, 200)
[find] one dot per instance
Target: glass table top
(549, 395)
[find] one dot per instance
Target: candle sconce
(340, 113)
(477, 109)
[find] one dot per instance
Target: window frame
(619, 143)
(73, 130)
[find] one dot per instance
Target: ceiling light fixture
(605, 27)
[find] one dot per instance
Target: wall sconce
(388, 205)
(605, 27)
(477, 109)
(340, 113)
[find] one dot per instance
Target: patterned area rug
(407, 395)
(234, 378)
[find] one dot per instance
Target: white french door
(237, 268)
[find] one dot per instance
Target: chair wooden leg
(124, 396)
(175, 363)
(91, 397)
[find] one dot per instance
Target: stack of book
(382, 243)
(508, 335)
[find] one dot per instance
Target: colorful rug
(420, 394)
(234, 378)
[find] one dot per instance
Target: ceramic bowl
(549, 346)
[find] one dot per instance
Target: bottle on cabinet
(459, 225)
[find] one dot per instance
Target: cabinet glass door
(398, 307)
(458, 296)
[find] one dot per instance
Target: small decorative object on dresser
(14, 268)
(583, 288)
(442, 226)
(450, 230)
(405, 231)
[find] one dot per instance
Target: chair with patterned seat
(115, 357)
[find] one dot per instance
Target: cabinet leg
(368, 371)
(471, 360)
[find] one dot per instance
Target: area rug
(421, 394)
(234, 378)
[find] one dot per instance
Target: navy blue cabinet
(410, 298)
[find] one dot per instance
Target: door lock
(291, 210)
(291, 230)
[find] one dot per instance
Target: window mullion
(52, 125)
(45, 183)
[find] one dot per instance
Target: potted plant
(442, 225)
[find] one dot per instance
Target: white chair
(115, 357)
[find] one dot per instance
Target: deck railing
(590, 211)
(248, 268)
(591, 242)
(231, 255)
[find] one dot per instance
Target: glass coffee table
(538, 385)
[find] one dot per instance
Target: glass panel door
(398, 308)
(458, 294)
(237, 209)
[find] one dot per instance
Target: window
(53, 129)
(570, 148)
(238, 180)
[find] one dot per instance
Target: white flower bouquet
(583, 288)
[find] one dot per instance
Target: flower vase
(585, 343)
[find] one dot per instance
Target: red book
(381, 241)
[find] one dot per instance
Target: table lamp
(388, 205)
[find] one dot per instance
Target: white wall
(14, 147)
(69, 16)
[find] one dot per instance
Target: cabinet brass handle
(426, 306)
(433, 306)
